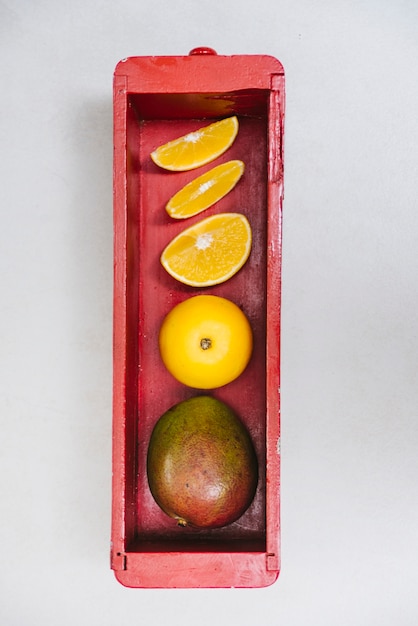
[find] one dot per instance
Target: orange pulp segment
(198, 147)
(203, 191)
(209, 252)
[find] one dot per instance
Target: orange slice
(198, 147)
(209, 252)
(205, 190)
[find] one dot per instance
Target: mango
(201, 465)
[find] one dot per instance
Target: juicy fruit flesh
(205, 341)
(201, 465)
(198, 147)
(209, 252)
(205, 190)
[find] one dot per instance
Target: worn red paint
(157, 99)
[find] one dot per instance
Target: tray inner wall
(153, 120)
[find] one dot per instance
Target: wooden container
(157, 99)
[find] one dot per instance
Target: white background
(350, 308)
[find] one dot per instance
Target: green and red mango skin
(202, 467)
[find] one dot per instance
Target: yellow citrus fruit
(203, 191)
(205, 341)
(198, 147)
(209, 252)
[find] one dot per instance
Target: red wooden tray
(157, 99)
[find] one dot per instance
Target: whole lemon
(206, 341)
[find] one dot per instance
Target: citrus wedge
(209, 252)
(198, 147)
(205, 190)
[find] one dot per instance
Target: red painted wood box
(157, 99)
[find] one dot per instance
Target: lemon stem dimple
(205, 343)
